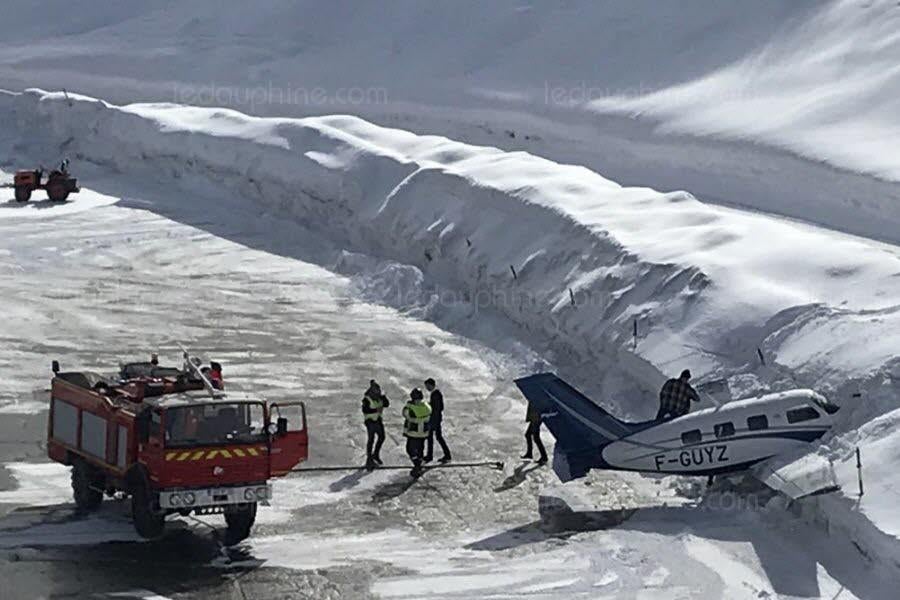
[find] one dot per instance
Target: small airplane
(767, 436)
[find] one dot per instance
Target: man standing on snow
(676, 396)
(437, 416)
(417, 416)
(533, 434)
(373, 404)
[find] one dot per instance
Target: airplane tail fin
(581, 428)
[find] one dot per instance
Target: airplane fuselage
(729, 438)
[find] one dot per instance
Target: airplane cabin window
(804, 413)
(724, 430)
(691, 437)
(757, 422)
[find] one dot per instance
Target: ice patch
(608, 578)
(38, 484)
(550, 585)
(76, 531)
(140, 594)
(22, 407)
(308, 489)
(440, 568)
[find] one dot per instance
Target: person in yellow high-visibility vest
(416, 419)
(373, 404)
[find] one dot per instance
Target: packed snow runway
(109, 276)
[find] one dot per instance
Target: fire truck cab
(173, 443)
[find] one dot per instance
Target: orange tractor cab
(171, 441)
(58, 184)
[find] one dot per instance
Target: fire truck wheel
(87, 486)
(239, 522)
(148, 520)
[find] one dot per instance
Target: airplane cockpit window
(724, 430)
(691, 437)
(804, 413)
(757, 422)
(827, 405)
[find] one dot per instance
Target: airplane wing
(797, 475)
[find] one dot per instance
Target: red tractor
(171, 441)
(59, 184)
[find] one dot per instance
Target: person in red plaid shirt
(676, 396)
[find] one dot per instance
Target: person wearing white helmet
(416, 421)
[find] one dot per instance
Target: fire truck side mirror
(282, 426)
(55, 366)
(143, 427)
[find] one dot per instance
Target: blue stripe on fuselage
(583, 461)
(803, 435)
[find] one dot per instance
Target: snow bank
(38, 484)
(828, 89)
(879, 445)
(524, 236)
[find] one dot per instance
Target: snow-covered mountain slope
(438, 52)
(818, 78)
(828, 89)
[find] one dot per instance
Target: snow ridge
(572, 257)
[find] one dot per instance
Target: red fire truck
(171, 441)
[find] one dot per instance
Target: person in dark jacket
(437, 417)
(533, 435)
(373, 404)
(676, 396)
(215, 375)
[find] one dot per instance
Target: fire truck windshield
(219, 423)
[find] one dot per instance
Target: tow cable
(497, 465)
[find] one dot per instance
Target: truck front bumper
(222, 496)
